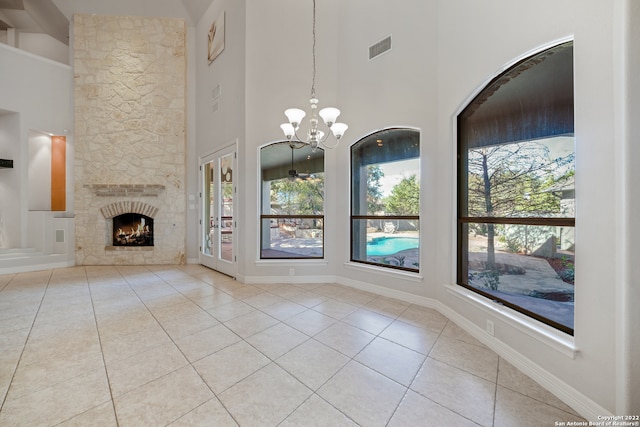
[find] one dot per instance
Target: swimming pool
(390, 245)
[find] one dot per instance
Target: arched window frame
(402, 144)
(544, 113)
(294, 232)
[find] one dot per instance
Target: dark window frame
(289, 217)
(268, 217)
(355, 218)
(463, 218)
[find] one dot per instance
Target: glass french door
(218, 240)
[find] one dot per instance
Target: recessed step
(18, 252)
(31, 260)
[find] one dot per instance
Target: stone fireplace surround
(132, 229)
(129, 135)
(111, 200)
(121, 207)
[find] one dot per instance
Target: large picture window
(292, 212)
(385, 199)
(516, 198)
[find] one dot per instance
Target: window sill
(547, 335)
(416, 277)
(291, 261)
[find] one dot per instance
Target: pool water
(390, 245)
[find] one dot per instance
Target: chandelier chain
(313, 80)
(328, 114)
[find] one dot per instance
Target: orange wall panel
(58, 173)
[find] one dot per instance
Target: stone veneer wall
(130, 108)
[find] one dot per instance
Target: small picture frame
(216, 38)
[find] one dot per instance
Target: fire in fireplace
(132, 229)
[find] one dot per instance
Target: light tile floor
(184, 345)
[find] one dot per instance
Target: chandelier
(314, 136)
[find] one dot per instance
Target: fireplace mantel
(126, 190)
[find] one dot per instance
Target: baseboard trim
(584, 406)
(253, 280)
(36, 267)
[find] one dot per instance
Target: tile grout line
(9, 281)
(274, 362)
(104, 362)
(525, 395)
(271, 361)
(215, 396)
(452, 366)
(24, 346)
(495, 394)
(408, 388)
(49, 294)
(351, 359)
(101, 354)
(128, 283)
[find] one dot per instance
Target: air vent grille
(379, 48)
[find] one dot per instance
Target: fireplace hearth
(132, 229)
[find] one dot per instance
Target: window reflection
(292, 217)
(516, 199)
(385, 199)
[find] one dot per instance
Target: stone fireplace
(128, 224)
(129, 140)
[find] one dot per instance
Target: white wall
(215, 130)
(452, 49)
(40, 90)
(39, 172)
(477, 40)
(628, 95)
(147, 8)
(191, 178)
(443, 53)
(10, 218)
(43, 45)
(279, 76)
(397, 88)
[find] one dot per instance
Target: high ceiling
(52, 16)
(34, 16)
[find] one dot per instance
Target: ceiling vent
(379, 48)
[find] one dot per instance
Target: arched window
(516, 194)
(292, 205)
(385, 199)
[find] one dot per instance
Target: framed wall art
(216, 37)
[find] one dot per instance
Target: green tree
(404, 198)
(509, 180)
(311, 195)
(299, 196)
(375, 202)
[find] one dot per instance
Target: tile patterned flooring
(185, 346)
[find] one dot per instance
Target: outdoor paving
(539, 277)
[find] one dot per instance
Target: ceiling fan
(293, 173)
